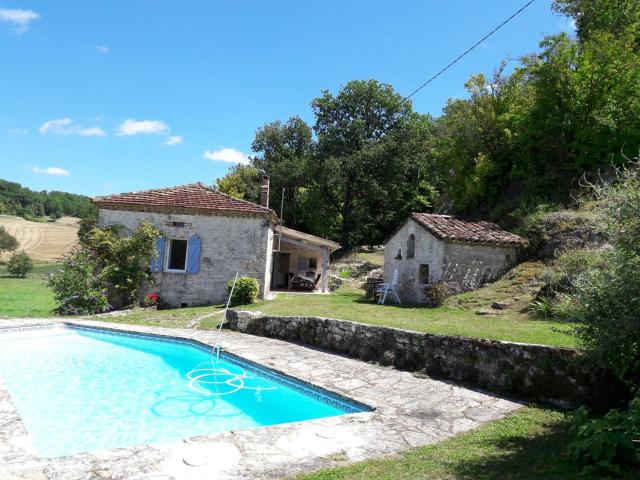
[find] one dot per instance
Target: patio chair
(386, 288)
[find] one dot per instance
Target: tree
(8, 242)
(20, 264)
(241, 181)
(593, 16)
(360, 168)
(284, 152)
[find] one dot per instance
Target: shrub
(609, 296)
(245, 291)
(123, 262)
(8, 242)
(562, 307)
(436, 293)
(346, 273)
(76, 288)
(150, 300)
(20, 264)
(606, 446)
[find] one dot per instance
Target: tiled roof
(446, 227)
(195, 196)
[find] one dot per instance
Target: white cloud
(66, 126)
(173, 140)
(18, 131)
(135, 127)
(61, 172)
(229, 155)
(102, 49)
(19, 18)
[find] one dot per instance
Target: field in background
(43, 241)
(26, 297)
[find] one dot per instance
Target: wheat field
(46, 242)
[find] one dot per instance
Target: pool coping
(408, 410)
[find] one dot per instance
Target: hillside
(50, 241)
(23, 202)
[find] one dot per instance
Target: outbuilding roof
(194, 196)
(446, 227)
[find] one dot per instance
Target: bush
(20, 264)
(609, 296)
(150, 300)
(76, 288)
(562, 307)
(245, 291)
(436, 293)
(606, 446)
(123, 262)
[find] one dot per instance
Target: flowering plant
(150, 300)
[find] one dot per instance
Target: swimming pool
(80, 389)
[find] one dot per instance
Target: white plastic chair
(387, 288)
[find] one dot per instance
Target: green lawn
(528, 444)
(347, 303)
(206, 317)
(26, 297)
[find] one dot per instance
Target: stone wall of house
(535, 372)
(428, 251)
(463, 266)
(469, 266)
(230, 244)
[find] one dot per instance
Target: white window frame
(167, 256)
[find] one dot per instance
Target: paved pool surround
(409, 410)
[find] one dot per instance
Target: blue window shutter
(193, 254)
(158, 262)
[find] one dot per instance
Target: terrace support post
(325, 269)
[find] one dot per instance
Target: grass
(26, 297)
(528, 444)
(458, 317)
(374, 258)
(174, 318)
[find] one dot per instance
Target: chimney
(264, 190)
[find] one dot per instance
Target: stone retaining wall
(535, 372)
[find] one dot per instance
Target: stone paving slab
(410, 410)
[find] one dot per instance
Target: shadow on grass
(521, 456)
(526, 456)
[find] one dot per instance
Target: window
(411, 246)
(177, 256)
(399, 254)
(423, 274)
(303, 263)
(307, 264)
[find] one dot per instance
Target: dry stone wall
(535, 372)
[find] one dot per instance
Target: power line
(468, 50)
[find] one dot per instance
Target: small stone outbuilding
(207, 237)
(430, 248)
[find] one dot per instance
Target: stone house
(430, 248)
(207, 236)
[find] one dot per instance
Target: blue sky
(99, 97)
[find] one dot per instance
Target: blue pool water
(86, 390)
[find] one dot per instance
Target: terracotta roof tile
(197, 196)
(446, 227)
